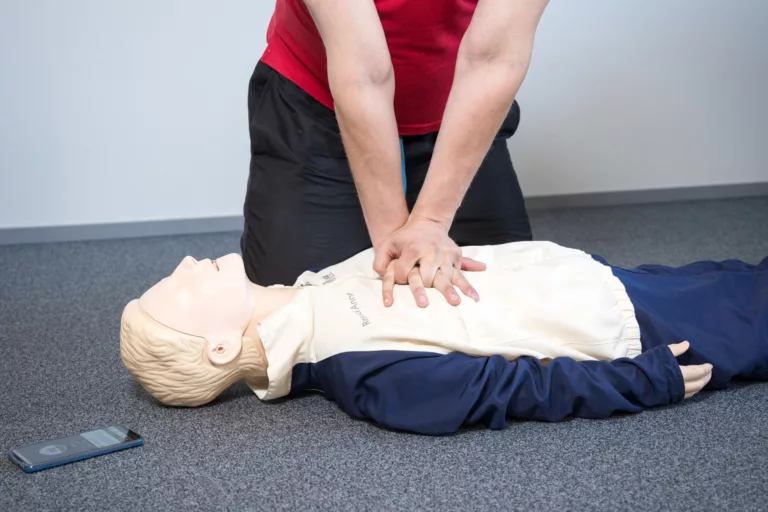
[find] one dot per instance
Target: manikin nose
(188, 263)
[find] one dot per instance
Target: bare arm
(493, 60)
(362, 83)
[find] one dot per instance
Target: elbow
(502, 62)
(377, 76)
(485, 53)
(501, 72)
(359, 77)
(356, 88)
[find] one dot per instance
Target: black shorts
(302, 211)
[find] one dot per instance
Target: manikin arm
(437, 394)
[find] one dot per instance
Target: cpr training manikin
(556, 332)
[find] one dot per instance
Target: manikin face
(212, 299)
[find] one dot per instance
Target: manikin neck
(268, 301)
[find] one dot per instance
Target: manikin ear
(223, 349)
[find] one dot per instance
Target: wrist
(380, 230)
(439, 217)
(422, 217)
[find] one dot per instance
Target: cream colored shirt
(536, 299)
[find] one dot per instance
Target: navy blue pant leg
(719, 307)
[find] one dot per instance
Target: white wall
(125, 110)
(136, 110)
(644, 94)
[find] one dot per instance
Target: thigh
(493, 210)
(301, 208)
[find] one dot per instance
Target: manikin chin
(195, 332)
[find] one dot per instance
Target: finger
(406, 262)
(696, 386)
(417, 288)
(696, 377)
(383, 257)
(428, 270)
(388, 285)
(447, 270)
(705, 380)
(470, 265)
(444, 286)
(695, 372)
(465, 286)
(679, 349)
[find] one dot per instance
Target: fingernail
(454, 296)
(475, 295)
(387, 302)
(423, 298)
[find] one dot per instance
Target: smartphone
(64, 450)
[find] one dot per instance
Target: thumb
(382, 258)
(470, 265)
(679, 349)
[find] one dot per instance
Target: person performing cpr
(348, 90)
(558, 333)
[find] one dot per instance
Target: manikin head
(183, 340)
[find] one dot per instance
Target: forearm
(365, 112)
(481, 96)
(492, 62)
(362, 84)
(563, 387)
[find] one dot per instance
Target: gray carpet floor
(60, 372)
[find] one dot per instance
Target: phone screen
(46, 452)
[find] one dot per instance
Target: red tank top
(423, 38)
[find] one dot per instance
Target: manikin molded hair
(172, 365)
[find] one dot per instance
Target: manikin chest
(540, 313)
